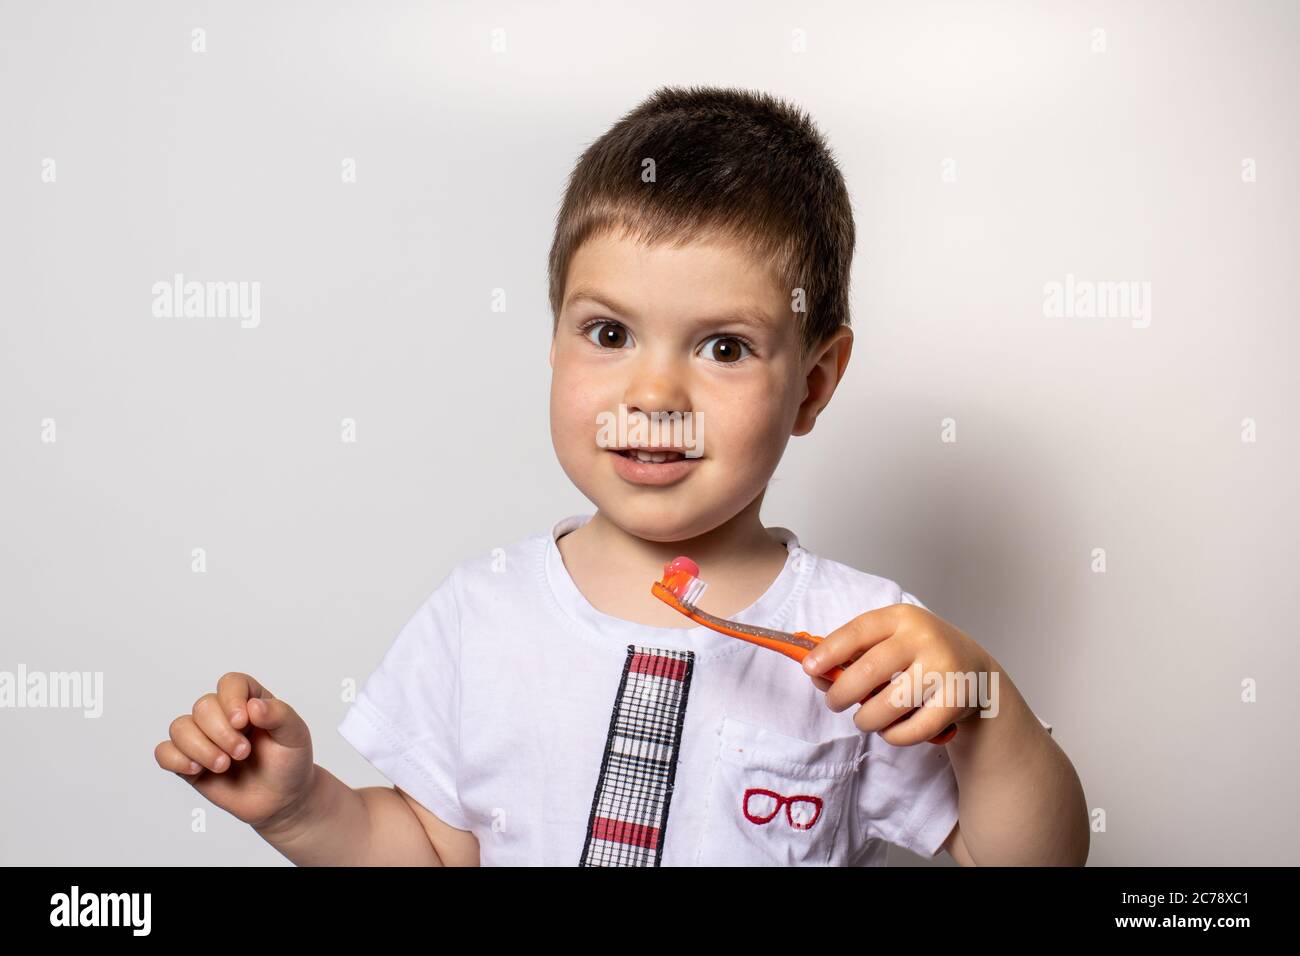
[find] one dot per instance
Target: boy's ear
(824, 369)
(552, 359)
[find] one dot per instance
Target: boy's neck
(614, 569)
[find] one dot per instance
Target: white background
(175, 434)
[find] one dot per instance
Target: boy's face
(701, 329)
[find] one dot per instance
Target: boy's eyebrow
(753, 316)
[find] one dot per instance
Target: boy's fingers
(927, 721)
(233, 691)
(864, 631)
(861, 677)
(279, 720)
(895, 701)
(194, 743)
(170, 758)
(211, 718)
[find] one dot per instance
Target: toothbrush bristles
(681, 578)
(693, 591)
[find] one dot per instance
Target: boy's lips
(630, 469)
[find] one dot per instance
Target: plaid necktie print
(629, 813)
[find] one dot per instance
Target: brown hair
(739, 164)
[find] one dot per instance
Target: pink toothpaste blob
(682, 579)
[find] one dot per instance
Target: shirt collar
(770, 610)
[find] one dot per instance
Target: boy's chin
(661, 521)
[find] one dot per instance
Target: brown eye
(609, 335)
(725, 349)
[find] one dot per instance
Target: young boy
(542, 707)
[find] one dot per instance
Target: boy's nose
(656, 389)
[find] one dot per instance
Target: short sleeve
(406, 718)
(908, 598)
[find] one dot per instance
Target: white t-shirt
(503, 707)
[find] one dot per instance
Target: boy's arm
(956, 847)
(1020, 799)
(335, 825)
(454, 847)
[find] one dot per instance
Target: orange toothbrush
(681, 587)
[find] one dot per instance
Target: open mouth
(659, 467)
(649, 457)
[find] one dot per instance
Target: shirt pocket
(775, 800)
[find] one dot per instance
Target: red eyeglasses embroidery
(761, 806)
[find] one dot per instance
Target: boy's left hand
(911, 642)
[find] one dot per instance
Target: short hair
(728, 162)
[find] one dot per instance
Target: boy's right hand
(243, 749)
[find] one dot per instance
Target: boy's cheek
(576, 401)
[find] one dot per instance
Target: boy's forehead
(706, 280)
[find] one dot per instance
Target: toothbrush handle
(834, 673)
